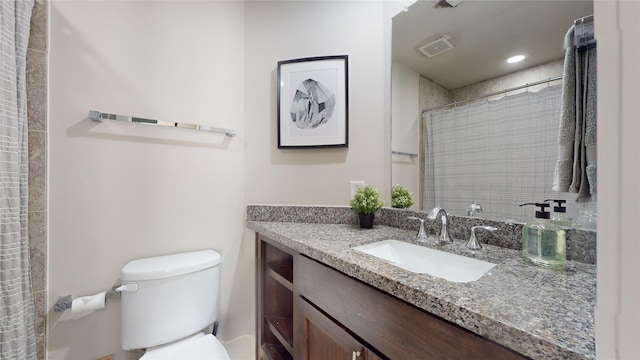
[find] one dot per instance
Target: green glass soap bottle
(544, 243)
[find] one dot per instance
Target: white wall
(617, 26)
(296, 29)
(121, 191)
(286, 30)
(405, 128)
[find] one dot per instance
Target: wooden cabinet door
(323, 339)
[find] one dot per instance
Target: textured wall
(37, 60)
(515, 79)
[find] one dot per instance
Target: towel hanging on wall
(576, 167)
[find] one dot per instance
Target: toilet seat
(197, 347)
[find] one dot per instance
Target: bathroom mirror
(465, 45)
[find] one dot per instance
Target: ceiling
(485, 33)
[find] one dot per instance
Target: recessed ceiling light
(515, 59)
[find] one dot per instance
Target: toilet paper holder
(64, 302)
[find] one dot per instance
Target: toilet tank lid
(165, 266)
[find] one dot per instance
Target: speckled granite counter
(543, 314)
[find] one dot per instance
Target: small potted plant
(401, 197)
(365, 203)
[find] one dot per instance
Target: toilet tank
(166, 298)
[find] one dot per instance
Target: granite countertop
(541, 313)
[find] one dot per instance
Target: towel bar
(99, 116)
(411, 155)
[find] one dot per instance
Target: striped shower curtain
(17, 333)
(498, 153)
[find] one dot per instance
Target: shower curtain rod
(455, 103)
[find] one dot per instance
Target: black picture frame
(313, 102)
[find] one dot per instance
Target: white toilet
(167, 303)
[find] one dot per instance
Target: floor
(241, 348)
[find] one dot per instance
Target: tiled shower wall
(37, 60)
(519, 78)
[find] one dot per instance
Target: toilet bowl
(167, 302)
(196, 347)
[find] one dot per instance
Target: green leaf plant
(401, 197)
(366, 200)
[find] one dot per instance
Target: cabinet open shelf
(275, 352)
(275, 301)
(282, 328)
(282, 274)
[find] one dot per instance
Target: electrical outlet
(354, 185)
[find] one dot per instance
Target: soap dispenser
(543, 242)
(560, 216)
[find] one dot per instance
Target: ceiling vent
(448, 3)
(437, 47)
(454, 3)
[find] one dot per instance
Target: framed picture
(313, 102)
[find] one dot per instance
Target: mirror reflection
(473, 133)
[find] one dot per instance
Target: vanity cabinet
(329, 315)
(392, 327)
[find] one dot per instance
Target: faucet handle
(422, 233)
(474, 208)
(473, 242)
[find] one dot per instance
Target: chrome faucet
(422, 233)
(445, 238)
(473, 243)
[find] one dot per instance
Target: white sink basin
(423, 260)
